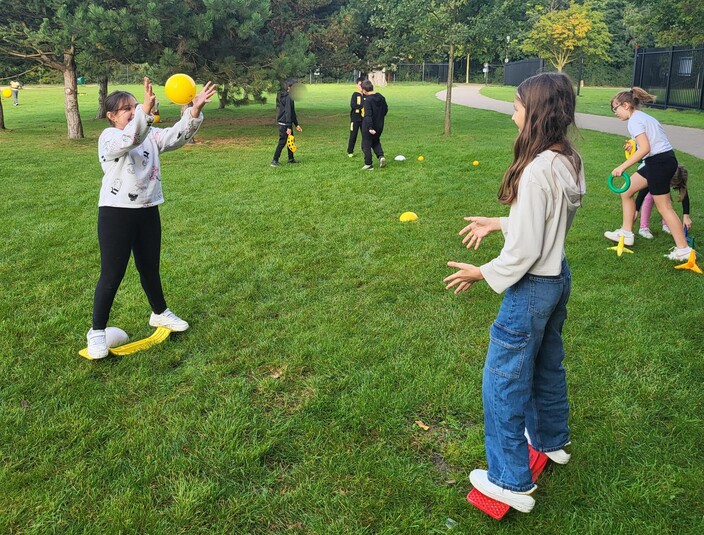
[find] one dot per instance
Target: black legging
(355, 127)
(122, 231)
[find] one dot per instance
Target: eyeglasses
(614, 108)
(127, 108)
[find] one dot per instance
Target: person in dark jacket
(356, 116)
(286, 120)
(375, 109)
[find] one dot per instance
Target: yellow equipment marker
(158, 336)
(691, 264)
(620, 248)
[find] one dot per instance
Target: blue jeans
(524, 384)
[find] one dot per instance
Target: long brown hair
(634, 97)
(549, 103)
(679, 181)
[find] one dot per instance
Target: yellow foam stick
(158, 336)
(620, 248)
(691, 264)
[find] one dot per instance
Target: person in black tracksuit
(356, 116)
(375, 109)
(286, 119)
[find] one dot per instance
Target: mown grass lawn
(321, 331)
(597, 101)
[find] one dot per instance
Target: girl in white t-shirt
(660, 164)
(128, 208)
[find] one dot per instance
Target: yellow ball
(407, 216)
(157, 118)
(180, 89)
(7, 92)
(420, 158)
(475, 163)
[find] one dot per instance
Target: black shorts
(658, 171)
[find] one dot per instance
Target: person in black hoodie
(286, 119)
(375, 109)
(356, 116)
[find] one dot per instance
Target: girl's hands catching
(202, 98)
(464, 278)
(478, 229)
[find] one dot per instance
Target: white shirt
(642, 123)
(549, 193)
(130, 159)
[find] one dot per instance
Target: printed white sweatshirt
(130, 159)
(549, 193)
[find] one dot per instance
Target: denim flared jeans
(524, 384)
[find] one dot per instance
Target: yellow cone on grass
(407, 216)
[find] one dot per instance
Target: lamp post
(508, 40)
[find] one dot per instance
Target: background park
(321, 332)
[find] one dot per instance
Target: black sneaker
(292, 160)
(274, 163)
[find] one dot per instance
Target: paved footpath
(689, 140)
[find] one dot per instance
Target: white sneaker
(666, 229)
(645, 232)
(521, 501)
(680, 255)
(169, 320)
(368, 168)
(560, 456)
(382, 162)
(616, 236)
(97, 344)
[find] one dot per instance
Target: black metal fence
(674, 75)
(517, 71)
(436, 72)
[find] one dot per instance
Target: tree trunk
(102, 93)
(224, 95)
(2, 118)
(448, 96)
(73, 118)
(466, 77)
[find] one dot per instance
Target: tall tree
(667, 23)
(560, 36)
(48, 32)
(415, 28)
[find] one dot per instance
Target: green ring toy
(625, 186)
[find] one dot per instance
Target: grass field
(597, 101)
(320, 332)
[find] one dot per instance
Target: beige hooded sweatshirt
(549, 192)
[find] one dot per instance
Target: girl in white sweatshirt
(524, 388)
(128, 208)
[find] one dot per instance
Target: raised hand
(202, 98)
(149, 97)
